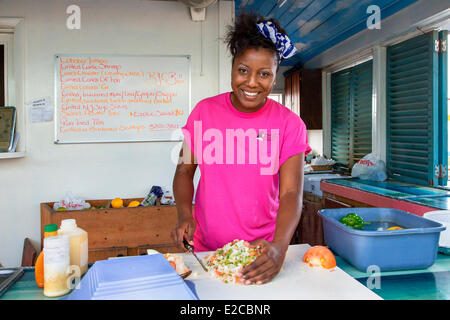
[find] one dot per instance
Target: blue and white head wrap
(284, 46)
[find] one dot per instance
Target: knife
(191, 250)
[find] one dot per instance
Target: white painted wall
(98, 171)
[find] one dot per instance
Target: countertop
(296, 281)
(432, 283)
(421, 196)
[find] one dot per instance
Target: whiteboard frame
(56, 56)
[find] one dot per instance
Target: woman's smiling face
(252, 78)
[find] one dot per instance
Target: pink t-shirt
(239, 155)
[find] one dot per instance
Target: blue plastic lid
(148, 277)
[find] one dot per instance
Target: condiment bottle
(78, 243)
(56, 264)
(50, 230)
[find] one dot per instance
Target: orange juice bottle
(50, 230)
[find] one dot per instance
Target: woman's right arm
(183, 191)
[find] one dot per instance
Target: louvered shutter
(412, 110)
(351, 114)
(340, 117)
(362, 110)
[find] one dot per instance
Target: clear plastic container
(56, 264)
(78, 243)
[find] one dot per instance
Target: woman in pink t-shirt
(250, 152)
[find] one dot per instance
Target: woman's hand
(267, 265)
(183, 230)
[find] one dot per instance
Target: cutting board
(296, 281)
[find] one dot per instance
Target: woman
(250, 151)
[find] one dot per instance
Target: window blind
(351, 114)
(413, 111)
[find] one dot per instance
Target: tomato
(320, 256)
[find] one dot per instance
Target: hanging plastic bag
(370, 168)
(70, 202)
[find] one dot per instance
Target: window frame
(2, 75)
(437, 135)
(14, 29)
(326, 96)
(356, 122)
(6, 39)
(378, 54)
(279, 94)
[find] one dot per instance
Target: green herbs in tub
(354, 221)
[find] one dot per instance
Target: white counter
(296, 281)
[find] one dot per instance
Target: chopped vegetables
(225, 263)
(354, 221)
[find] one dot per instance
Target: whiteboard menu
(120, 98)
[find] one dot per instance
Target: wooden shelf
(12, 155)
(119, 231)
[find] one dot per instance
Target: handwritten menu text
(123, 98)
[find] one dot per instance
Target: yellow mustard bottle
(78, 243)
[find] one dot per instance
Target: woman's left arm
(269, 263)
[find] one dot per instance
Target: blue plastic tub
(414, 247)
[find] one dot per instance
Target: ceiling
(317, 25)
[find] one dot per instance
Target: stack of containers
(148, 277)
(64, 256)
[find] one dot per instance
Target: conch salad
(225, 263)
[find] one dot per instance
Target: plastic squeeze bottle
(50, 230)
(78, 243)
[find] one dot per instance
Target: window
(6, 70)
(278, 97)
(12, 83)
(351, 114)
(416, 110)
(2, 75)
